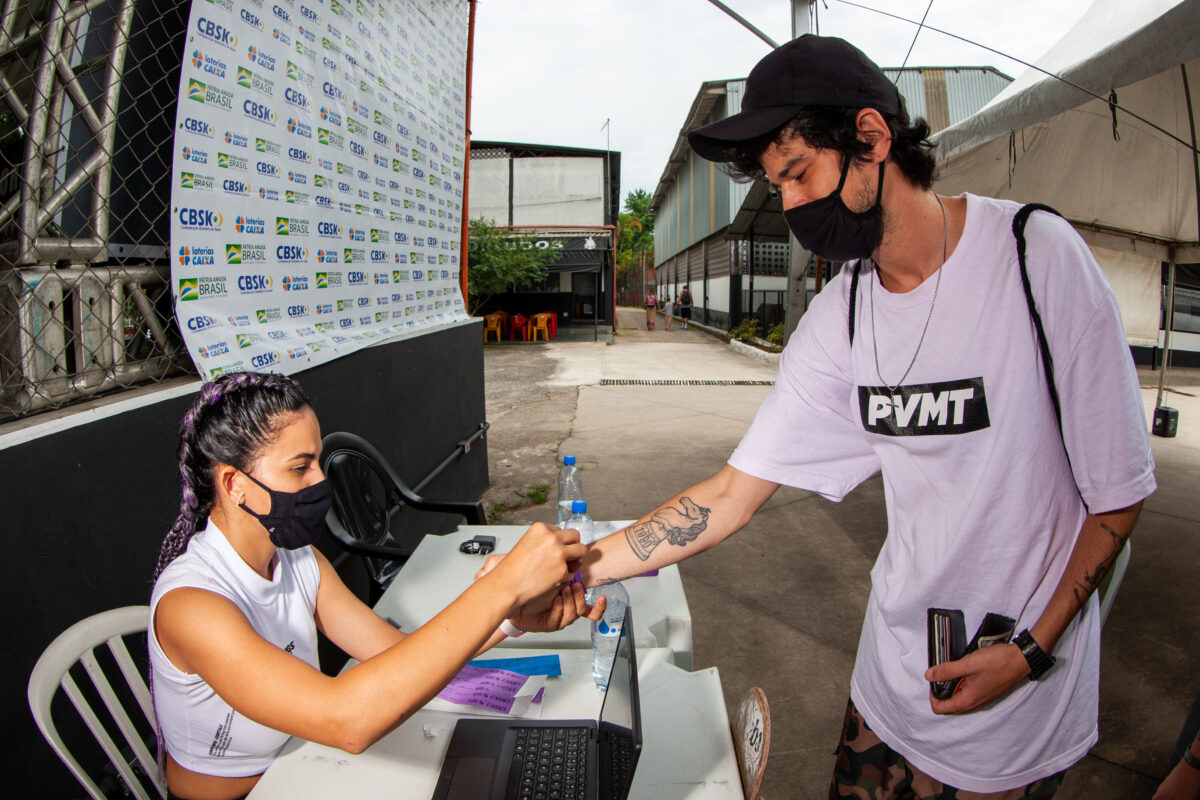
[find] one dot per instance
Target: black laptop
(507, 759)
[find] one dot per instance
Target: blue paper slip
(523, 665)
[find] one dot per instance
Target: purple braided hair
(232, 419)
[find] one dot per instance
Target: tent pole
(1162, 373)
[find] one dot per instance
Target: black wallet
(948, 641)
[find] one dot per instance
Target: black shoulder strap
(1018, 227)
(853, 297)
(1022, 217)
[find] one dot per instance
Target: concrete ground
(780, 604)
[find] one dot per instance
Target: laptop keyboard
(549, 764)
(619, 768)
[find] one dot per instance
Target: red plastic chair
(518, 323)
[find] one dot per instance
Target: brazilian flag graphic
(196, 90)
(189, 289)
(281, 226)
(322, 280)
(244, 77)
(233, 254)
(187, 180)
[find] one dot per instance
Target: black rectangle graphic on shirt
(924, 409)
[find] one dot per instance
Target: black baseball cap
(807, 71)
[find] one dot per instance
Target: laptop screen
(620, 719)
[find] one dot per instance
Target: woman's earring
(241, 498)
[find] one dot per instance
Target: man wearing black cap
(919, 361)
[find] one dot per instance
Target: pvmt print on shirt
(924, 409)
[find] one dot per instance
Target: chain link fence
(86, 131)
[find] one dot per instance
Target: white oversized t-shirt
(203, 732)
(982, 506)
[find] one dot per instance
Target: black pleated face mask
(827, 228)
(296, 519)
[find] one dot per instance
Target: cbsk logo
(331, 116)
(235, 187)
(297, 311)
(249, 19)
(363, 301)
(926, 409)
(258, 112)
(291, 254)
(264, 60)
(298, 99)
(217, 33)
(195, 156)
(331, 91)
(265, 359)
(356, 278)
(198, 219)
(282, 14)
(329, 230)
(378, 257)
(308, 13)
(296, 154)
(208, 64)
(324, 201)
(197, 126)
(330, 64)
(201, 322)
(254, 284)
(245, 224)
(266, 168)
(237, 139)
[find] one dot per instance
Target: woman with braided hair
(240, 594)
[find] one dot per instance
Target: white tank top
(202, 732)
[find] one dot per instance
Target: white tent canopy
(1133, 196)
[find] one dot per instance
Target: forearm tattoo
(678, 525)
(1092, 579)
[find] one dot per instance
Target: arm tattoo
(678, 525)
(1091, 580)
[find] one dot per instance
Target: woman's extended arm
(204, 633)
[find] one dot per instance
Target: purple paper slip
(493, 689)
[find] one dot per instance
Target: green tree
(635, 240)
(499, 259)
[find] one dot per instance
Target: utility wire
(1060, 78)
(913, 43)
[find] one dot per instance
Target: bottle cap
(568, 460)
(578, 506)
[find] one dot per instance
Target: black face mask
(829, 229)
(296, 519)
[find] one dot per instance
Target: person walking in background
(668, 310)
(651, 309)
(685, 306)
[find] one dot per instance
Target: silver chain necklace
(932, 303)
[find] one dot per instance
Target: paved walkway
(780, 604)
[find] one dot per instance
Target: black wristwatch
(1039, 662)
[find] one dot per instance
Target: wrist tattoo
(678, 525)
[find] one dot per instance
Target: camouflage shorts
(867, 769)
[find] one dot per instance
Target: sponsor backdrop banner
(317, 198)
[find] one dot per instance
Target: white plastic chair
(73, 646)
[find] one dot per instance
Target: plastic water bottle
(570, 488)
(580, 521)
(606, 631)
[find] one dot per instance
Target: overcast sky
(552, 71)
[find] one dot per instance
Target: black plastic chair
(367, 494)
